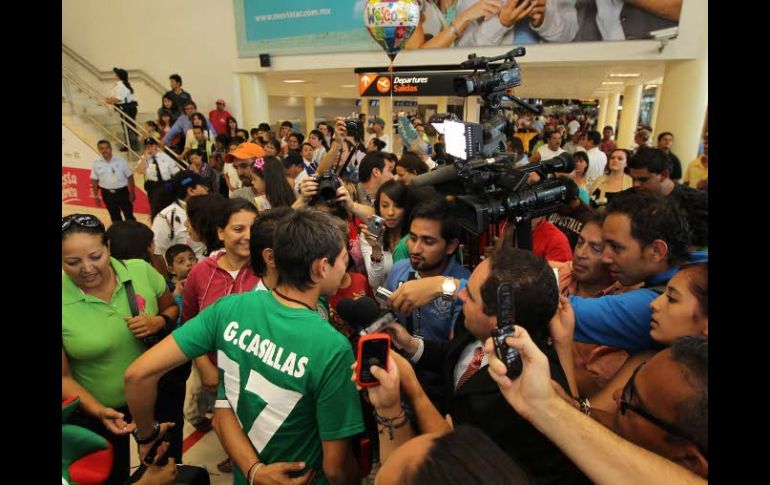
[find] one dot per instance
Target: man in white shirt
(573, 127)
(597, 159)
(169, 225)
(156, 166)
(377, 127)
(113, 177)
(551, 149)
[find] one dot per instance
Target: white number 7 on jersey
(279, 402)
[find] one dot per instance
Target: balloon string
(391, 135)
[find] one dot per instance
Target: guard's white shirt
(166, 164)
(169, 229)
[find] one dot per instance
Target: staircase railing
(71, 79)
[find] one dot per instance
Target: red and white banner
(77, 160)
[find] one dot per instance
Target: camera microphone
(364, 314)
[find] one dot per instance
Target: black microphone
(364, 314)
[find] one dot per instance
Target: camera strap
(353, 151)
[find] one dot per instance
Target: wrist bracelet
(169, 322)
(389, 423)
(153, 436)
(253, 468)
(454, 29)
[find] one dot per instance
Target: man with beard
(433, 240)
(243, 159)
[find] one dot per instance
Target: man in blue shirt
(433, 240)
(646, 240)
(182, 124)
(113, 177)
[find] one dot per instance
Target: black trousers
(118, 201)
(128, 112)
(169, 406)
(120, 444)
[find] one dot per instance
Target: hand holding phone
(373, 349)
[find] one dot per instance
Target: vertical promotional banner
(77, 160)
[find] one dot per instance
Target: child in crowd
(180, 259)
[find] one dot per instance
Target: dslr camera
(328, 183)
(354, 128)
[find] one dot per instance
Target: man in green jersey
(286, 406)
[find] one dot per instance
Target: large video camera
(492, 188)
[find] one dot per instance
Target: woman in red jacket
(224, 272)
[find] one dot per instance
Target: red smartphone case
(361, 343)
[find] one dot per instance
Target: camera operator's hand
(515, 10)
(308, 188)
(343, 197)
(532, 391)
(402, 339)
(416, 293)
(340, 131)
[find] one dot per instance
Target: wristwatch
(448, 288)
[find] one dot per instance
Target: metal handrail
(109, 75)
(95, 95)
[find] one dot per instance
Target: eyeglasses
(82, 220)
(629, 391)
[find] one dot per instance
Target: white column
(254, 104)
(472, 109)
(612, 112)
(629, 118)
(602, 121)
(655, 108)
(441, 106)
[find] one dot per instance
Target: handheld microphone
(364, 314)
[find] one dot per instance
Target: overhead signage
(407, 83)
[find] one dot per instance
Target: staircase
(85, 112)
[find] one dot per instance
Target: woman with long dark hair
(232, 127)
(125, 103)
(320, 147)
(270, 184)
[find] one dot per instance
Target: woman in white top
(390, 203)
(125, 103)
(316, 138)
(615, 181)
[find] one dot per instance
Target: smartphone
(383, 294)
(372, 350)
(376, 226)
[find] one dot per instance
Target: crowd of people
(224, 311)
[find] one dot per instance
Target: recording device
(364, 314)
(354, 128)
(486, 182)
(376, 226)
(383, 293)
(372, 350)
(328, 183)
(506, 317)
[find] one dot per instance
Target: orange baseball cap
(245, 151)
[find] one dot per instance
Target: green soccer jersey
(284, 371)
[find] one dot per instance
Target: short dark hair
(307, 143)
(609, 127)
(412, 163)
(594, 136)
(104, 142)
(287, 124)
(237, 140)
(299, 136)
(692, 355)
(175, 250)
(130, 240)
(535, 291)
(653, 159)
(549, 134)
(262, 233)
(293, 159)
(465, 456)
(301, 238)
(438, 209)
(378, 143)
(222, 138)
(263, 127)
(653, 217)
(233, 206)
(583, 156)
(176, 77)
(368, 163)
(191, 103)
(664, 134)
(253, 131)
(202, 213)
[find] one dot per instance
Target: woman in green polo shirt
(100, 338)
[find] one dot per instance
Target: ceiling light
(612, 83)
(294, 81)
(347, 85)
(627, 74)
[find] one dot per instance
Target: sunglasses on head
(82, 220)
(629, 391)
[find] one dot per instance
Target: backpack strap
(129, 287)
